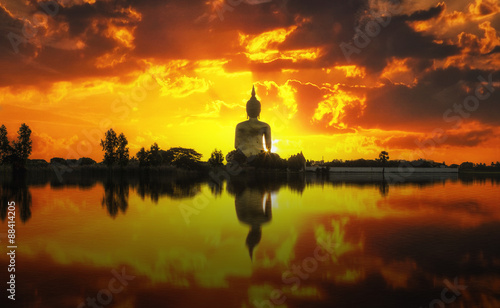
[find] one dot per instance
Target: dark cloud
(80, 17)
(453, 139)
(397, 40)
(423, 107)
(327, 24)
(427, 14)
(40, 59)
(495, 50)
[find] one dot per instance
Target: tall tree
(23, 145)
(109, 146)
(122, 150)
(5, 148)
(383, 157)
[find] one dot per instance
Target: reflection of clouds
(335, 234)
(392, 252)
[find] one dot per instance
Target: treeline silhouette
(419, 163)
(16, 154)
(117, 156)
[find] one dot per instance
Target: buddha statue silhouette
(250, 134)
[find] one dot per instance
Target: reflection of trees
(115, 196)
(479, 178)
(297, 182)
(382, 183)
(263, 182)
(215, 188)
(16, 189)
(174, 188)
(383, 188)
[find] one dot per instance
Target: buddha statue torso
(249, 137)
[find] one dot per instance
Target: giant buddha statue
(250, 134)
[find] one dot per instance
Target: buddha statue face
(253, 106)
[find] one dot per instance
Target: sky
(336, 79)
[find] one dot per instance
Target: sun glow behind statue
(274, 148)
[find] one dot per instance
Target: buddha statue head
(253, 106)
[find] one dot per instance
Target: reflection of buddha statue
(249, 134)
(253, 207)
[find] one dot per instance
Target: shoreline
(405, 170)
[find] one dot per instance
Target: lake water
(267, 241)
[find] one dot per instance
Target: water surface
(267, 241)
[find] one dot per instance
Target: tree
(5, 148)
(466, 165)
(184, 158)
(216, 158)
(236, 157)
(383, 157)
(296, 162)
(143, 157)
(167, 157)
(109, 146)
(154, 155)
(85, 161)
(133, 160)
(267, 160)
(23, 145)
(122, 150)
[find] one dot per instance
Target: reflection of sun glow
(264, 201)
(274, 199)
